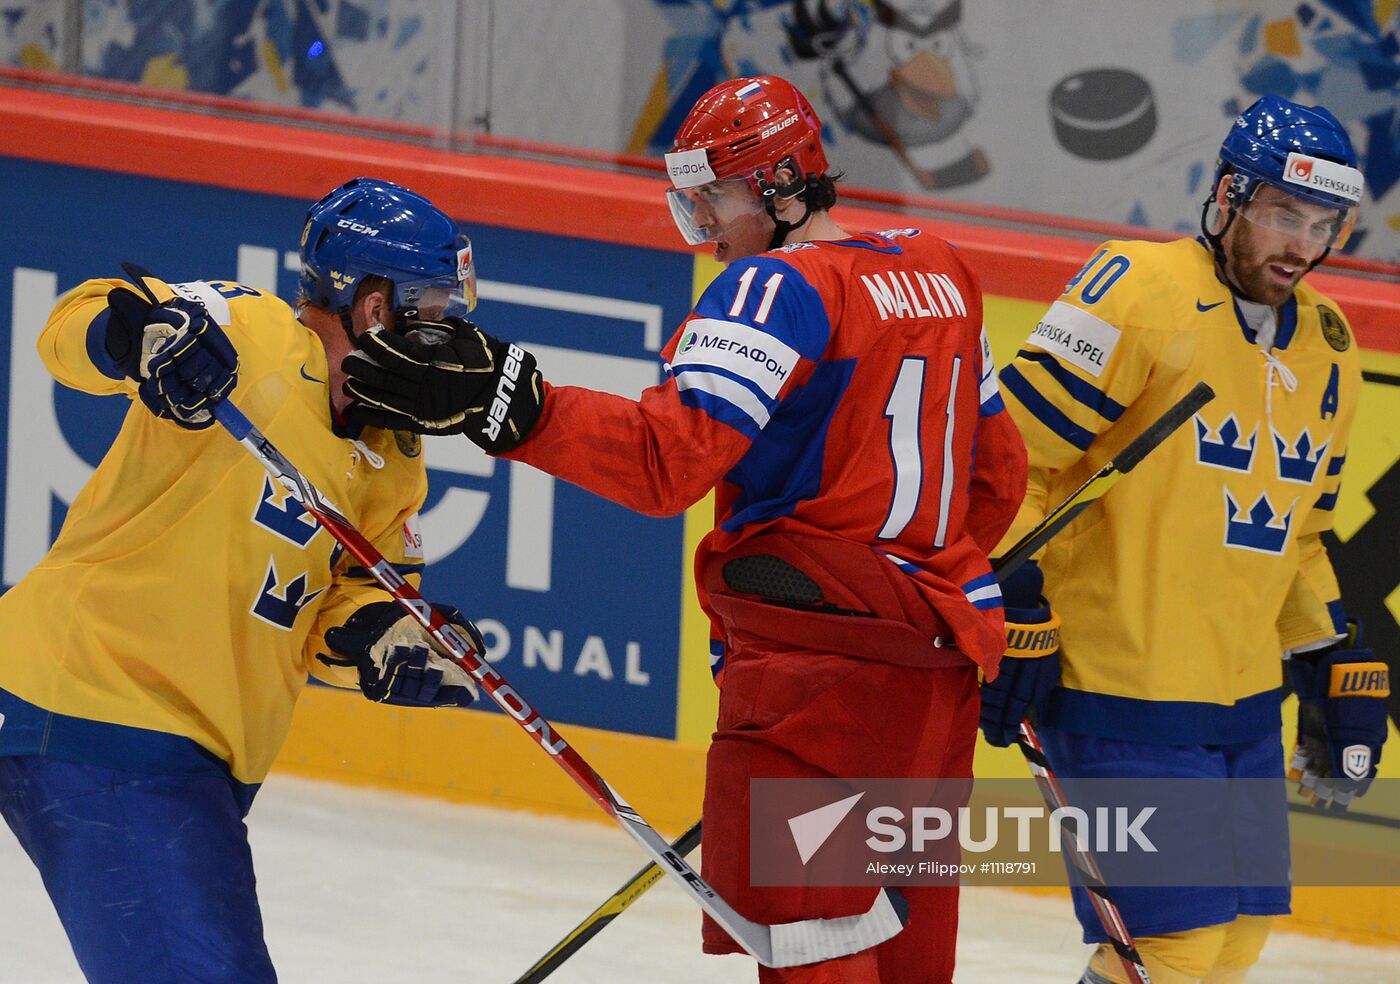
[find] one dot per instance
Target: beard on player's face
(1264, 265)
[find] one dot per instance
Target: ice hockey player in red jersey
(829, 387)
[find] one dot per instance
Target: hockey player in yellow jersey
(1178, 597)
(153, 657)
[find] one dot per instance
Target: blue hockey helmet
(1302, 150)
(370, 227)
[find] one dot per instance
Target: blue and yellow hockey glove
(395, 658)
(1342, 693)
(180, 358)
(1030, 668)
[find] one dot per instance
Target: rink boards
(586, 607)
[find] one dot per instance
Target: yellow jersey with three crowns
(187, 594)
(1180, 589)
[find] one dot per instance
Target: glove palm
(395, 658)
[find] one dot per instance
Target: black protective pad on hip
(773, 578)
(780, 583)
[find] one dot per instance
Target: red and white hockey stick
(775, 946)
(1099, 893)
(784, 945)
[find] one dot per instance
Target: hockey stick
(598, 919)
(1112, 920)
(756, 939)
(1029, 743)
(1055, 521)
(1105, 478)
(784, 945)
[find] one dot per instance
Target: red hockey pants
(796, 713)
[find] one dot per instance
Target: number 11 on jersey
(904, 408)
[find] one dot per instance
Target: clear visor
(703, 214)
(1316, 225)
(442, 297)
(434, 301)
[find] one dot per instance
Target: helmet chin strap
(770, 194)
(1217, 248)
(347, 322)
(781, 228)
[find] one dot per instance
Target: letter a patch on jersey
(279, 604)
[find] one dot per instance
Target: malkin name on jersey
(911, 294)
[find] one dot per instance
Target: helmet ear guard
(790, 189)
(786, 191)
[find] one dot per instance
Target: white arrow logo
(810, 830)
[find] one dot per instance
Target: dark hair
(820, 193)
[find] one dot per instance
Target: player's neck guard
(1216, 243)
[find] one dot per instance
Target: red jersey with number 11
(837, 389)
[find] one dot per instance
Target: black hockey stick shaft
(1105, 478)
(597, 920)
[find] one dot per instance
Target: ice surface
(367, 887)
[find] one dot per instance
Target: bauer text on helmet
(746, 128)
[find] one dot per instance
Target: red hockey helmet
(744, 130)
(747, 127)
